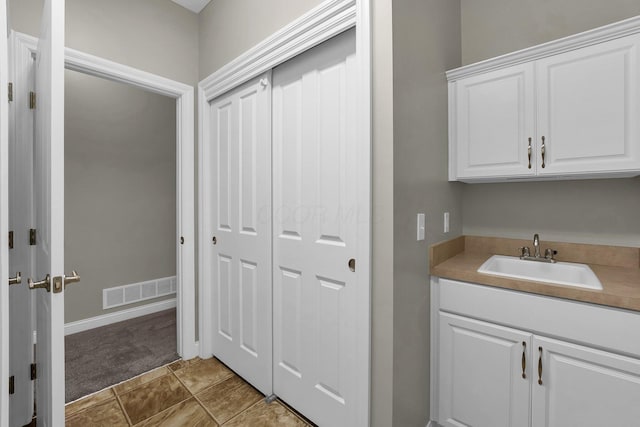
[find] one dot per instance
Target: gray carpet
(101, 357)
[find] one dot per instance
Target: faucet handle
(524, 251)
(550, 253)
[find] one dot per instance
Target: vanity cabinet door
(482, 381)
(584, 387)
(588, 109)
(494, 127)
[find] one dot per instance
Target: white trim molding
(185, 161)
(118, 316)
(565, 44)
(327, 20)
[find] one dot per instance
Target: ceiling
(193, 5)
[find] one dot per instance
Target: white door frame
(4, 220)
(24, 45)
(327, 20)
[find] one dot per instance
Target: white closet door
(241, 265)
(315, 232)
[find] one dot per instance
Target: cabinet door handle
(543, 149)
(524, 359)
(540, 366)
(529, 153)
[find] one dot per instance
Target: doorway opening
(120, 223)
(179, 235)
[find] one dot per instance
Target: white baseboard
(433, 424)
(118, 316)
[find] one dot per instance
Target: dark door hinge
(32, 100)
(12, 384)
(10, 92)
(11, 240)
(34, 372)
(32, 236)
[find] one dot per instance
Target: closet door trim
(327, 20)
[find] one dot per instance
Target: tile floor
(185, 393)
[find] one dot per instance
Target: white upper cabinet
(588, 109)
(576, 98)
(495, 125)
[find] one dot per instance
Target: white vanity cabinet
(566, 109)
(481, 381)
(583, 386)
(497, 366)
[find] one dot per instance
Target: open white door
(49, 208)
(21, 75)
(4, 221)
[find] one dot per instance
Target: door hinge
(10, 92)
(32, 236)
(12, 384)
(32, 100)
(34, 372)
(11, 240)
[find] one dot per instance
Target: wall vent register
(135, 292)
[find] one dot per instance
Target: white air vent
(127, 294)
(112, 297)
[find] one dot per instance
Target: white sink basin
(560, 273)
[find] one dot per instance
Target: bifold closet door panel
(315, 231)
(240, 138)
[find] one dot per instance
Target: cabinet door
(584, 387)
(484, 374)
(588, 109)
(494, 117)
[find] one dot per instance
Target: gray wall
(426, 43)
(153, 35)
(226, 31)
(591, 211)
(120, 192)
(494, 27)
(230, 27)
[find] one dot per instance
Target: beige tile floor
(198, 392)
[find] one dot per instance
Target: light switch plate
(421, 221)
(446, 222)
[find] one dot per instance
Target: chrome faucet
(525, 252)
(536, 245)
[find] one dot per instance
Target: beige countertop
(617, 268)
